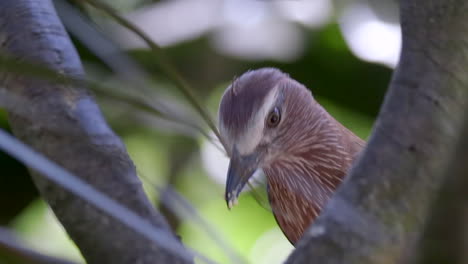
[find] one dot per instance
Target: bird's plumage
(304, 158)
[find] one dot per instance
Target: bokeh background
(344, 51)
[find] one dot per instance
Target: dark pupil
(274, 118)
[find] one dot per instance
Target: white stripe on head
(253, 133)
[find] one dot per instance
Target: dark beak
(241, 168)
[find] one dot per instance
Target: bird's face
(256, 116)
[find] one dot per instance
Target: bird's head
(261, 118)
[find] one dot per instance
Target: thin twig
(12, 249)
(184, 209)
(10, 64)
(163, 62)
(87, 192)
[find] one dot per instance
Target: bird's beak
(241, 168)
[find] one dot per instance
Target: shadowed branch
(91, 150)
(58, 175)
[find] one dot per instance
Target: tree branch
(445, 239)
(379, 213)
(74, 134)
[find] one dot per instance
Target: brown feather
(317, 155)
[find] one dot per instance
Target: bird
(272, 124)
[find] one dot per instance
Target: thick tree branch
(379, 213)
(64, 123)
(445, 239)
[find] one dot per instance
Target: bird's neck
(301, 180)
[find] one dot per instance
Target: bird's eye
(274, 117)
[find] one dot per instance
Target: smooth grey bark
(445, 239)
(64, 123)
(379, 213)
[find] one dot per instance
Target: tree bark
(379, 213)
(64, 123)
(445, 239)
